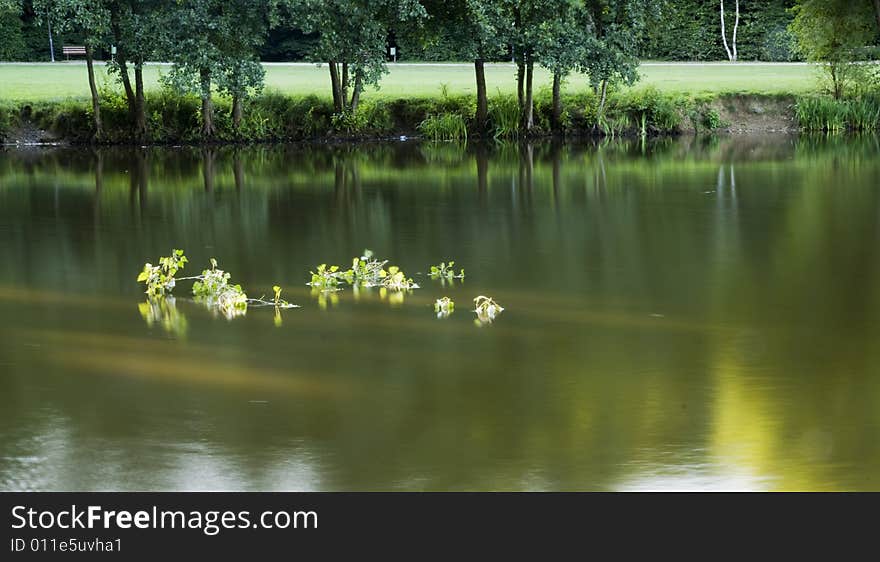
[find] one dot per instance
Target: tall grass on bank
(447, 127)
(826, 114)
(504, 115)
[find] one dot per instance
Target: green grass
(40, 82)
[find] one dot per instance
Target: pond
(679, 314)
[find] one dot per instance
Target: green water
(681, 315)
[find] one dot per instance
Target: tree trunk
(343, 87)
(482, 116)
(126, 81)
(337, 91)
(356, 91)
(731, 55)
(603, 94)
(236, 112)
(735, 28)
(556, 116)
(140, 110)
(96, 106)
(51, 42)
(528, 117)
(207, 105)
(520, 79)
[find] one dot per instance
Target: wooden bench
(73, 50)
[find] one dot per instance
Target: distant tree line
(682, 30)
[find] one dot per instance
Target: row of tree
(214, 45)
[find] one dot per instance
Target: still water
(688, 314)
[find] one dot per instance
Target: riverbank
(273, 117)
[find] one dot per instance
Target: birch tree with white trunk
(731, 53)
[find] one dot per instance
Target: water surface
(689, 314)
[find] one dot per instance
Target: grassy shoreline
(279, 118)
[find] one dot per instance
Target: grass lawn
(45, 81)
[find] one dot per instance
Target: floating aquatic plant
(444, 307)
(365, 272)
(397, 280)
(445, 271)
(486, 309)
(326, 278)
(211, 288)
(159, 279)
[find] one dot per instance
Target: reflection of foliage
(325, 298)
(163, 311)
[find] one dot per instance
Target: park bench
(73, 50)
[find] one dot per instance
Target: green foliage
(445, 271)
(213, 289)
(705, 118)
(690, 30)
(365, 272)
(159, 279)
(326, 278)
(834, 34)
(445, 127)
(354, 32)
(12, 41)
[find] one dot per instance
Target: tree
(477, 28)
(561, 47)
(610, 53)
(133, 24)
(834, 33)
(530, 20)
(91, 19)
(731, 54)
(353, 40)
(213, 43)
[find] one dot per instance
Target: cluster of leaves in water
(159, 279)
(212, 288)
(445, 271)
(365, 272)
(486, 309)
(444, 307)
